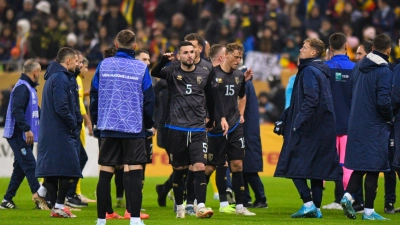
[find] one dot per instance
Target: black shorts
(149, 150)
(222, 148)
(187, 148)
(121, 151)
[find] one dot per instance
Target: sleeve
(242, 90)
(289, 90)
(311, 98)
(19, 104)
(383, 95)
(158, 70)
(94, 96)
(219, 105)
(61, 90)
(148, 101)
(396, 89)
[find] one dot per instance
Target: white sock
(135, 220)
(318, 209)
(101, 221)
(239, 206)
(42, 191)
(59, 206)
(308, 204)
(201, 205)
(368, 212)
(179, 207)
(348, 196)
(224, 204)
(189, 205)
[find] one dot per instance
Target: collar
(383, 56)
(25, 77)
(340, 57)
(125, 53)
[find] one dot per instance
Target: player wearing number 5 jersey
(229, 83)
(186, 122)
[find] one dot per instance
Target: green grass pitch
(283, 200)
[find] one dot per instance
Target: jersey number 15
(229, 90)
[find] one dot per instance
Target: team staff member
(309, 130)
(21, 131)
(122, 129)
(368, 132)
(58, 159)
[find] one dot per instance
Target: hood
(371, 62)
(316, 63)
(55, 67)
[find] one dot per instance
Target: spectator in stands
(291, 50)
(4, 56)
(103, 36)
(28, 11)
(7, 37)
(113, 20)
(81, 11)
(384, 18)
(23, 28)
(34, 41)
(66, 21)
(43, 10)
(232, 7)
(72, 40)
(314, 20)
(3, 8)
(275, 12)
(82, 30)
(325, 31)
(178, 25)
(96, 17)
(267, 44)
(225, 35)
(10, 18)
(305, 8)
(268, 111)
(54, 38)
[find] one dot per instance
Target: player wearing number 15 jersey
(230, 84)
(187, 143)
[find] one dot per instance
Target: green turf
(283, 200)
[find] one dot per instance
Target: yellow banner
(271, 147)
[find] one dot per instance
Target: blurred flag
(127, 10)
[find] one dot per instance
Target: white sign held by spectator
(263, 65)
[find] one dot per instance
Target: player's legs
(308, 208)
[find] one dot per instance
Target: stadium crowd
(36, 29)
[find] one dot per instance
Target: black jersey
(202, 63)
(186, 97)
(230, 86)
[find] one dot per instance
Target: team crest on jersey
(199, 80)
(205, 68)
(237, 80)
(210, 157)
(218, 80)
(179, 77)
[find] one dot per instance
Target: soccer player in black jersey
(230, 84)
(186, 122)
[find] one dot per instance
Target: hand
(241, 119)
(279, 127)
(90, 130)
(224, 126)
(151, 131)
(169, 55)
(248, 74)
(154, 132)
(29, 137)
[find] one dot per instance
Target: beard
(185, 63)
(76, 71)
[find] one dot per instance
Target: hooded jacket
(57, 151)
(309, 149)
(370, 114)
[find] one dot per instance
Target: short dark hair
(382, 42)
(195, 37)
(109, 52)
(78, 52)
(126, 38)
(183, 44)
(317, 45)
(367, 46)
(215, 49)
(231, 47)
(138, 52)
(337, 41)
(63, 53)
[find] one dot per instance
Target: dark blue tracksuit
(24, 163)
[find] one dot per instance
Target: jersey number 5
(188, 88)
(229, 90)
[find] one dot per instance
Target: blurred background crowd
(37, 29)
